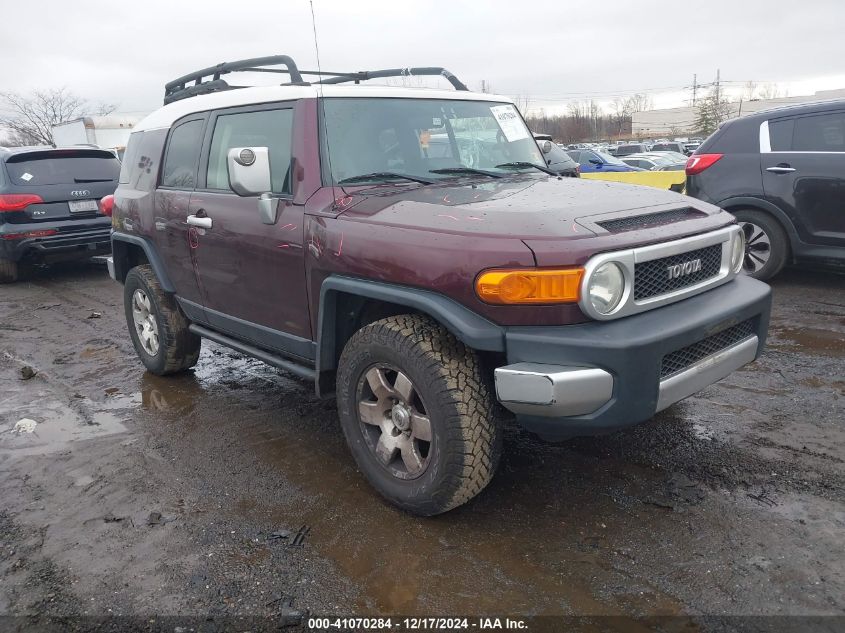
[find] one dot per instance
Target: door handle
(780, 169)
(194, 220)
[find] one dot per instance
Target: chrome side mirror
(249, 170)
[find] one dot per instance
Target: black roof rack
(179, 88)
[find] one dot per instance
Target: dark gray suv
(49, 205)
(781, 173)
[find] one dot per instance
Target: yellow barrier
(674, 180)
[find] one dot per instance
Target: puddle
(173, 393)
(38, 422)
(57, 426)
(810, 340)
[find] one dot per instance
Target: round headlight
(737, 250)
(607, 285)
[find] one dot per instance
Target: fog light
(607, 285)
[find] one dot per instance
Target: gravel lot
(141, 495)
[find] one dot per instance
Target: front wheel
(157, 326)
(417, 414)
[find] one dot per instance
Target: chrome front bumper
(558, 391)
(706, 371)
(110, 266)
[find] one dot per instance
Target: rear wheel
(766, 244)
(417, 414)
(157, 326)
(9, 271)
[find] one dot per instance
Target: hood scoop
(649, 220)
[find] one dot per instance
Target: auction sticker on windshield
(511, 123)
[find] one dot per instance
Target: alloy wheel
(758, 247)
(394, 421)
(146, 325)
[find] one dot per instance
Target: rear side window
(130, 157)
(182, 159)
(262, 128)
(780, 134)
(62, 167)
(821, 133)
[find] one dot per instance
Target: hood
(520, 207)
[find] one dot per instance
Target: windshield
(412, 137)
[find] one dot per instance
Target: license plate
(77, 206)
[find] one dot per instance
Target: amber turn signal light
(529, 286)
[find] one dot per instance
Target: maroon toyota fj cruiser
(408, 250)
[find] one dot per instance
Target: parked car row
(619, 148)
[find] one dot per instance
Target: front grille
(652, 278)
(683, 358)
(649, 220)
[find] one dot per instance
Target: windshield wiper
(523, 164)
(382, 175)
(464, 170)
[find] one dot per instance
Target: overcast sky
(549, 50)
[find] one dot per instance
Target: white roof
(165, 116)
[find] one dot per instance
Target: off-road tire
(178, 348)
(447, 375)
(779, 250)
(9, 271)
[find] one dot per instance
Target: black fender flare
(469, 327)
(121, 262)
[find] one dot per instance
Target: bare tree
(639, 102)
(30, 118)
(749, 91)
(523, 104)
(621, 116)
(771, 91)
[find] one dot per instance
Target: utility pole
(718, 93)
(694, 88)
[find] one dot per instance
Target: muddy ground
(141, 495)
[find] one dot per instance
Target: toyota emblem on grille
(80, 193)
(682, 270)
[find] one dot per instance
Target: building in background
(681, 121)
(108, 132)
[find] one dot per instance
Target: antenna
(322, 101)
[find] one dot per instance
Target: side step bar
(262, 355)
